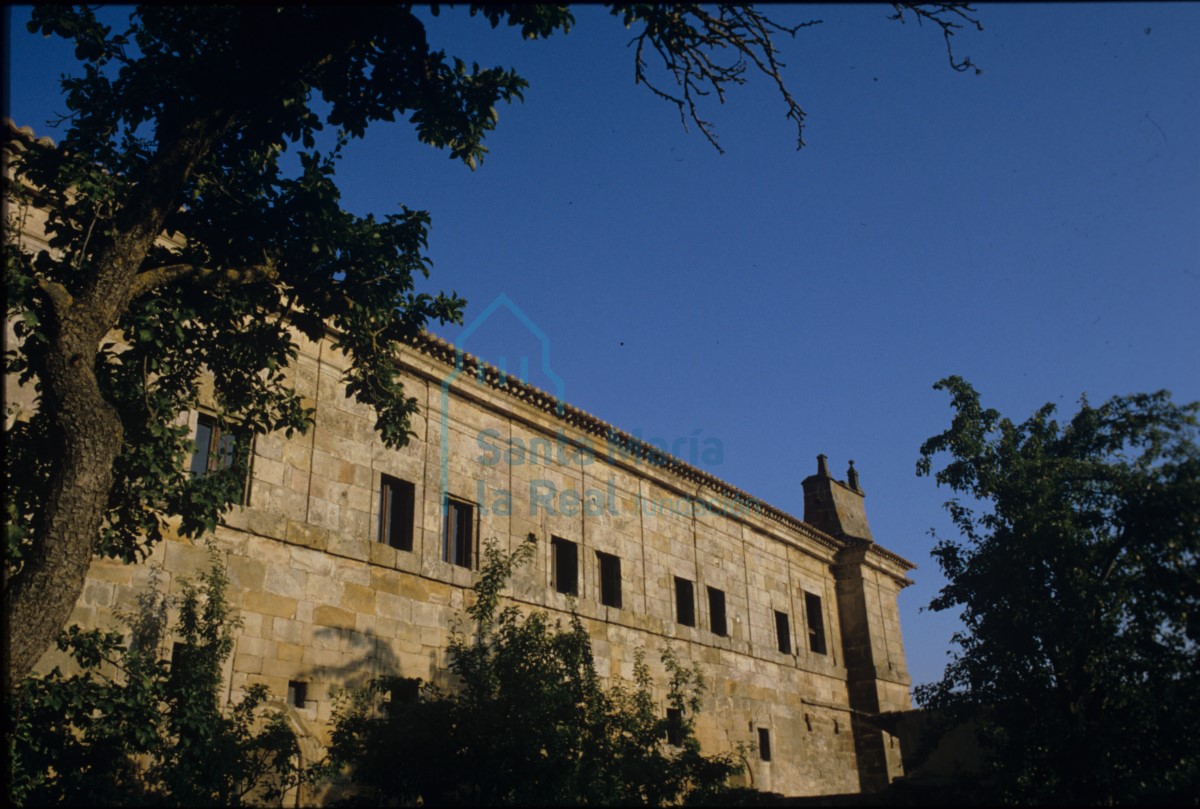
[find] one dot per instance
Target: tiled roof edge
(446, 352)
(15, 134)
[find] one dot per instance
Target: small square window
(685, 602)
(610, 579)
(716, 612)
(816, 623)
(396, 501)
(297, 693)
(458, 534)
(406, 690)
(783, 632)
(764, 743)
(216, 449)
(675, 727)
(565, 564)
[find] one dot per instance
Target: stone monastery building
(349, 559)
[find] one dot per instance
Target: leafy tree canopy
(1078, 577)
(181, 248)
(529, 724)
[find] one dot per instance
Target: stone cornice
(469, 365)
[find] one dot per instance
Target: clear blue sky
(1035, 229)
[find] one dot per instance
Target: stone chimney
(876, 678)
(835, 506)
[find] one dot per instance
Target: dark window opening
(458, 534)
(610, 579)
(685, 602)
(216, 449)
(764, 743)
(675, 727)
(406, 689)
(716, 612)
(396, 505)
(783, 632)
(179, 664)
(565, 565)
(297, 693)
(816, 624)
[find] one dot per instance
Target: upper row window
(610, 579)
(396, 501)
(565, 561)
(685, 602)
(458, 535)
(215, 449)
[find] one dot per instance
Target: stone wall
(325, 603)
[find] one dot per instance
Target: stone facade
(325, 603)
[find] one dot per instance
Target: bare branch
(689, 41)
(950, 17)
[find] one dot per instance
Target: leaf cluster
(528, 724)
(130, 728)
(1078, 579)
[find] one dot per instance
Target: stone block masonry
(809, 650)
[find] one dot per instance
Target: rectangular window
(675, 727)
(764, 740)
(816, 623)
(565, 565)
(297, 693)
(458, 533)
(396, 498)
(716, 612)
(685, 602)
(406, 690)
(215, 450)
(783, 632)
(179, 664)
(610, 579)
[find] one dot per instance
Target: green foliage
(1078, 578)
(528, 724)
(132, 729)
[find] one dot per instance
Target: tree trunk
(39, 601)
(89, 433)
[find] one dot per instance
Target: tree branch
(152, 279)
(687, 40)
(944, 15)
(60, 298)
